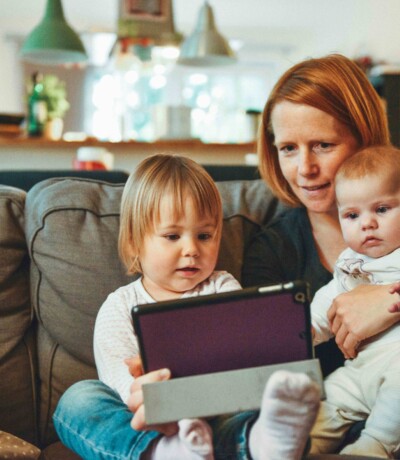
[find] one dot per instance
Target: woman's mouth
(315, 188)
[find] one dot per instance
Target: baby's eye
(382, 209)
(171, 237)
(351, 215)
(204, 236)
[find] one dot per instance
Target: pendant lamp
(206, 46)
(53, 41)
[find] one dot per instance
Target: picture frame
(145, 10)
(147, 19)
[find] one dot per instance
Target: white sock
(288, 411)
(192, 442)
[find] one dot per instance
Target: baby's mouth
(371, 240)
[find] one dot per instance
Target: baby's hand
(395, 289)
(135, 401)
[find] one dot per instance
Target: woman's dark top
(285, 251)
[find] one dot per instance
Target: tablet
(228, 331)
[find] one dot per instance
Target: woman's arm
(359, 314)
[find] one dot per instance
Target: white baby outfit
(368, 386)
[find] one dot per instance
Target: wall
(285, 29)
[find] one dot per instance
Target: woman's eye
(324, 146)
(286, 149)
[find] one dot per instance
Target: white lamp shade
(206, 46)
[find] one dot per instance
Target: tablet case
(220, 393)
(223, 332)
(211, 335)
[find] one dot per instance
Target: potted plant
(55, 94)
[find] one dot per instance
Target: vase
(53, 129)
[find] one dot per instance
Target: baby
(367, 388)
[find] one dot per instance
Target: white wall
(292, 28)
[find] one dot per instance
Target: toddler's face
(369, 213)
(179, 253)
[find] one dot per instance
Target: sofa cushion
(72, 231)
(13, 447)
(17, 355)
(246, 206)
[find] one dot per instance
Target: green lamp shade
(53, 41)
(206, 46)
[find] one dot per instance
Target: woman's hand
(135, 401)
(395, 289)
(359, 314)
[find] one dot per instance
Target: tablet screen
(221, 332)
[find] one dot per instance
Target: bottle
(93, 158)
(37, 107)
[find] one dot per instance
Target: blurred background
(139, 92)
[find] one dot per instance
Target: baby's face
(369, 213)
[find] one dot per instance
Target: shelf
(41, 153)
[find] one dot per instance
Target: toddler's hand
(135, 366)
(395, 289)
(135, 403)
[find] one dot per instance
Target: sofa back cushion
(17, 350)
(72, 232)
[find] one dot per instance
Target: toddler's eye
(172, 237)
(204, 236)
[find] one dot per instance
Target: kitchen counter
(40, 153)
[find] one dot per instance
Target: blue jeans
(92, 420)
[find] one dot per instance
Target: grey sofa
(59, 261)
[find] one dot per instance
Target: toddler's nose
(190, 249)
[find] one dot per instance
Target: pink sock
(192, 442)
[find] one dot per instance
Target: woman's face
(311, 146)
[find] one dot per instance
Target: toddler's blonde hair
(155, 177)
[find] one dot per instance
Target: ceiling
(311, 26)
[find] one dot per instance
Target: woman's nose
(307, 165)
